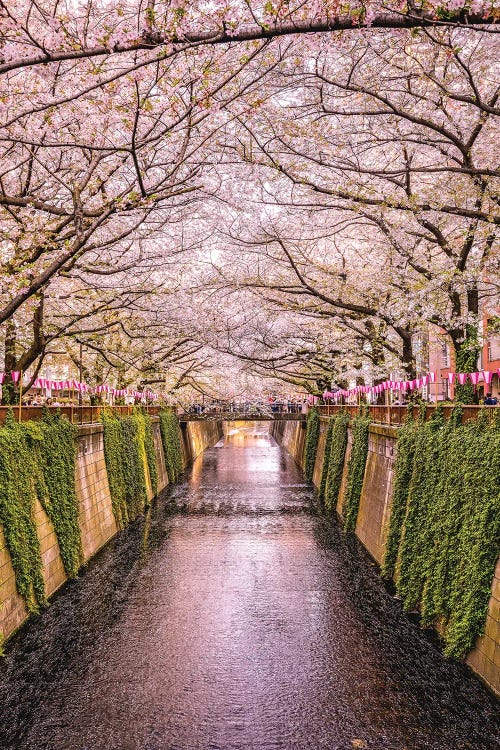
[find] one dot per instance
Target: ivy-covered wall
(37, 463)
(335, 460)
(171, 441)
(444, 532)
(443, 536)
(311, 443)
(355, 471)
(426, 504)
(56, 509)
(130, 462)
(325, 462)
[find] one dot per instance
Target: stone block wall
(97, 522)
(291, 434)
(485, 657)
(320, 453)
(13, 611)
(373, 519)
(198, 435)
(375, 503)
(160, 456)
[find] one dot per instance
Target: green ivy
(403, 469)
(444, 532)
(416, 539)
(20, 487)
(356, 470)
(147, 443)
(171, 441)
(336, 459)
(37, 462)
(466, 361)
(324, 468)
(57, 455)
(133, 467)
(311, 443)
(129, 454)
(113, 448)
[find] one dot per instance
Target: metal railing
(231, 416)
(396, 415)
(76, 414)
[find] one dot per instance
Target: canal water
(234, 617)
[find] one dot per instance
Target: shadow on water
(233, 616)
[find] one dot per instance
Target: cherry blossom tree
(314, 186)
(404, 160)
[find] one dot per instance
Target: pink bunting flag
(15, 375)
(425, 380)
(2, 377)
(462, 378)
(474, 376)
(487, 376)
(451, 378)
(432, 377)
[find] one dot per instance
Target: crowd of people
(39, 400)
(272, 406)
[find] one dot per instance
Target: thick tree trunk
(467, 349)
(9, 389)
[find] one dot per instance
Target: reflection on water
(246, 435)
(233, 617)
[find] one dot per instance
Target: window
(445, 354)
(493, 349)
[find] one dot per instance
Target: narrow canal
(235, 617)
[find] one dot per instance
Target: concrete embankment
(373, 521)
(96, 520)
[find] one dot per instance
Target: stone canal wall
(96, 519)
(291, 435)
(373, 520)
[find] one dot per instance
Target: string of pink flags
(77, 386)
(402, 386)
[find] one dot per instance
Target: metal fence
(396, 415)
(232, 416)
(75, 414)
(391, 415)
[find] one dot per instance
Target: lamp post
(80, 375)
